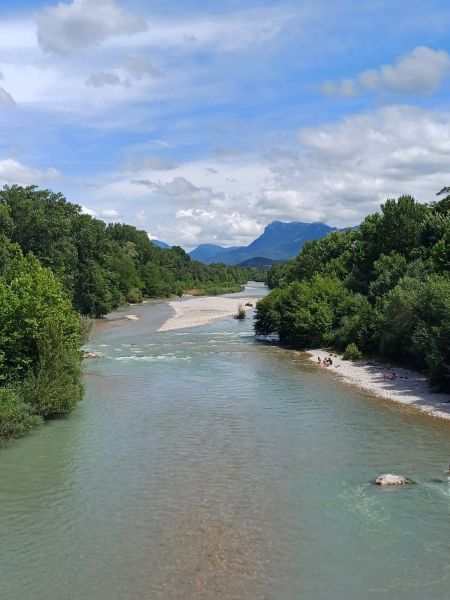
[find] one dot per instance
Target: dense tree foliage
(55, 263)
(102, 266)
(39, 343)
(382, 289)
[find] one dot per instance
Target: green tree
(40, 372)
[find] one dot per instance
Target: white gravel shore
(194, 312)
(408, 387)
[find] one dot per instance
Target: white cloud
(220, 33)
(88, 211)
(109, 213)
(156, 70)
(337, 172)
(14, 172)
(421, 71)
(216, 226)
(65, 28)
(5, 98)
(346, 169)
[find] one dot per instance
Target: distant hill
(259, 262)
(279, 241)
(160, 244)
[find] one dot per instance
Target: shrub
(240, 315)
(16, 417)
(86, 324)
(352, 352)
(54, 386)
(134, 295)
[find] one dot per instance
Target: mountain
(279, 241)
(160, 244)
(259, 262)
(209, 253)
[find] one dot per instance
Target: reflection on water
(203, 465)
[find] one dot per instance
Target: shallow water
(205, 465)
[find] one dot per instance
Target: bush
(352, 352)
(86, 324)
(240, 315)
(134, 295)
(16, 417)
(54, 386)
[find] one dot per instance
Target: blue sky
(202, 121)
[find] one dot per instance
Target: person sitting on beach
(389, 376)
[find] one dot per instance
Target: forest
(380, 290)
(59, 266)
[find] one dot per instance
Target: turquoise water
(203, 464)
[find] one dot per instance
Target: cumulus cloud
(14, 172)
(216, 226)
(65, 28)
(5, 98)
(418, 72)
(347, 168)
(337, 172)
(88, 211)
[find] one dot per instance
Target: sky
(203, 121)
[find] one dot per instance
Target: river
(203, 464)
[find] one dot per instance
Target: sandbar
(197, 311)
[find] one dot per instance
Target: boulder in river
(390, 479)
(91, 355)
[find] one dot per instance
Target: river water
(205, 465)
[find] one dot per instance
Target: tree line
(57, 264)
(382, 289)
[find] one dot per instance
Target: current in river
(203, 464)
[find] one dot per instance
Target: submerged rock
(91, 355)
(390, 479)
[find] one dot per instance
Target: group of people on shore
(326, 362)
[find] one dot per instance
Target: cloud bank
(64, 28)
(418, 72)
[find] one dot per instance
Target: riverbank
(194, 312)
(409, 387)
(118, 316)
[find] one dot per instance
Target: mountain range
(160, 244)
(279, 242)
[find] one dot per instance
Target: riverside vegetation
(58, 264)
(382, 289)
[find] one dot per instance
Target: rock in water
(389, 479)
(91, 355)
